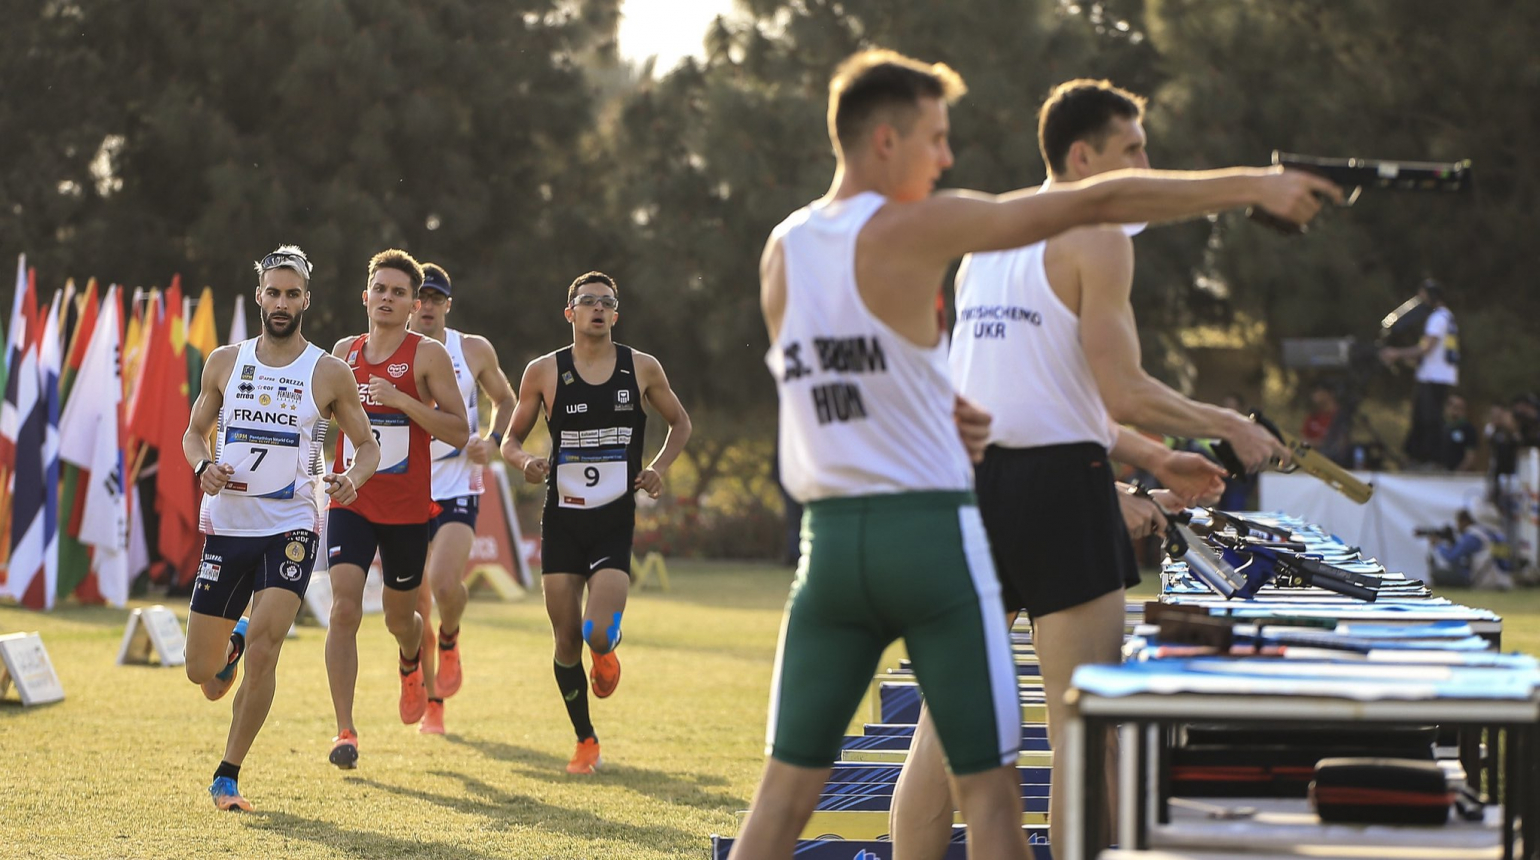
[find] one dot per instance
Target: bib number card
(591, 478)
(266, 462)
(393, 433)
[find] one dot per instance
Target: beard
(282, 329)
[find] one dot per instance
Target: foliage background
(507, 140)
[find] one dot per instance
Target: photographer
(1471, 555)
(1437, 356)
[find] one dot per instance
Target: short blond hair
(872, 81)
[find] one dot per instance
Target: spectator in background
(1526, 418)
(1502, 435)
(1437, 356)
(1477, 557)
(1459, 436)
(1323, 410)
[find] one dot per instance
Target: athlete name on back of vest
(837, 401)
(989, 320)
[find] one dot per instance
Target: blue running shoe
(227, 797)
(216, 688)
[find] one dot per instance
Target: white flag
(92, 408)
(237, 323)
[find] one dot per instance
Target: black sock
(573, 684)
(439, 700)
(239, 642)
(227, 769)
(409, 666)
(447, 643)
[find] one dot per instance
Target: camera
(1444, 533)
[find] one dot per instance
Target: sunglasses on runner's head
(588, 300)
(286, 260)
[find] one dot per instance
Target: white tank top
(271, 431)
(863, 410)
(453, 472)
(1016, 351)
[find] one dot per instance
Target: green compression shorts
(877, 568)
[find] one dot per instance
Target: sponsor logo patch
(209, 570)
(244, 391)
(295, 551)
(248, 371)
(574, 500)
(290, 571)
(623, 401)
(397, 371)
(566, 377)
(264, 399)
(333, 552)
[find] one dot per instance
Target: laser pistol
(1356, 174)
(1304, 458)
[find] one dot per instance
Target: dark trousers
(1425, 441)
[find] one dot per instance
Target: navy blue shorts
(460, 509)
(235, 567)
(352, 539)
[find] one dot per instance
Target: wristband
(496, 437)
(203, 466)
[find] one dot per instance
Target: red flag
(158, 415)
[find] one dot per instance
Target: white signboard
(153, 632)
(26, 665)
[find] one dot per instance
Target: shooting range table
(1153, 697)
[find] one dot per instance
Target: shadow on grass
(355, 842)
(508, 810)
(693, 790)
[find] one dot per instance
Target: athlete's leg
(427, 652)
(607, 592)
(991, 806)
(564, 606)
(920, 820)
(347, 582)
(782, 805)
(272, 612)
(446, 574)
(208, 645)
(1089, 633)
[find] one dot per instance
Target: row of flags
(90, 391)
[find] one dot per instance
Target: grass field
(118, 769)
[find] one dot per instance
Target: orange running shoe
(605, 674)
(449, 677)
(586, 759)
(344, 752)
(414, 696)
(227, 798)
(432, 719)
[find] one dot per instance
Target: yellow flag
(200, 332)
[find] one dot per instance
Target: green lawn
(118, 769)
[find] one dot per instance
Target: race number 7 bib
(393, 433)
(266, 462)
(591, 477)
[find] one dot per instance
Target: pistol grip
(1282, 225)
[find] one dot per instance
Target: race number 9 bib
(591, 477)
(393, 433)
(266, 462)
